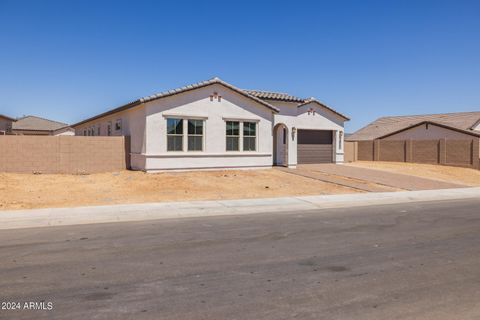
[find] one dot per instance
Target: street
(403, 261)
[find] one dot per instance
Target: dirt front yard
(466, 176)
(26, 191)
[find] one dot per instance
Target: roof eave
(113, 111)
(175, 92)
(325, 106)
(8, 118)
(433, 123)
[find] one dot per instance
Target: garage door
(314, 146)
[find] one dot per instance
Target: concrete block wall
(62, 154)
(462, 153)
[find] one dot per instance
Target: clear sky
(68, 60)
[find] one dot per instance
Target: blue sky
(68, 60)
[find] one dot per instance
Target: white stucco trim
(203, 154)
(241, 119)
(256, 167)
(185, 116)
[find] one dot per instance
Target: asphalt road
(408, 261)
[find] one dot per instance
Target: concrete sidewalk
(171, 210)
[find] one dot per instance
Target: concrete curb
(171, 210)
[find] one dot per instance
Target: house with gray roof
(454, 126)
(214, 124)
(33, 125)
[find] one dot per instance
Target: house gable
(316, 114)
(428, 130)
(215, 104)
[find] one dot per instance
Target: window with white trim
(174, 134)
(233, 135)
(249, 136)
(195, 135)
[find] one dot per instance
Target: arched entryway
(280, 145)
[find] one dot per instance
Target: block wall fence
(63, 154)
(461, 153)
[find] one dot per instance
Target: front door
(281, 152)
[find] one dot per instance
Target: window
(233, 135)
(109, 129)
(99, 130)
(340, 140)
(118, 125)
(195, 135)
(174, 134)
(84, 133)
(284, 135)
(249, 136)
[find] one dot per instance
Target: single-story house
(213, 124)
(5, 124)
(32, 125)
(453, 126)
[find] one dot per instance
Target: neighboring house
(32, 125)
(213, 124)
(5, 124)
(453, 126)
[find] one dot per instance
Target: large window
(174, 134)
(195, 135)
(233, 135)
(249, 136)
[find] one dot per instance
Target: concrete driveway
(369, 179)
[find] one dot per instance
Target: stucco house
(453, 126)
(213, 124)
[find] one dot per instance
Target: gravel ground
(27, 191)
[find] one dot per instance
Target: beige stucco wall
(432, 133)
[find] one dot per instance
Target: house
(5, 124)
(32, 125)
(453, 126)
(213, 124)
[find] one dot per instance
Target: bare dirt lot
(26, 191)
(466, 176)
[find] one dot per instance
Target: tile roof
(177, 91)
(269, 95)
(386, 125)
(259, 96)
(34, 123)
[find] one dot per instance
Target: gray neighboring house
(454, 126)
(32, 125)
